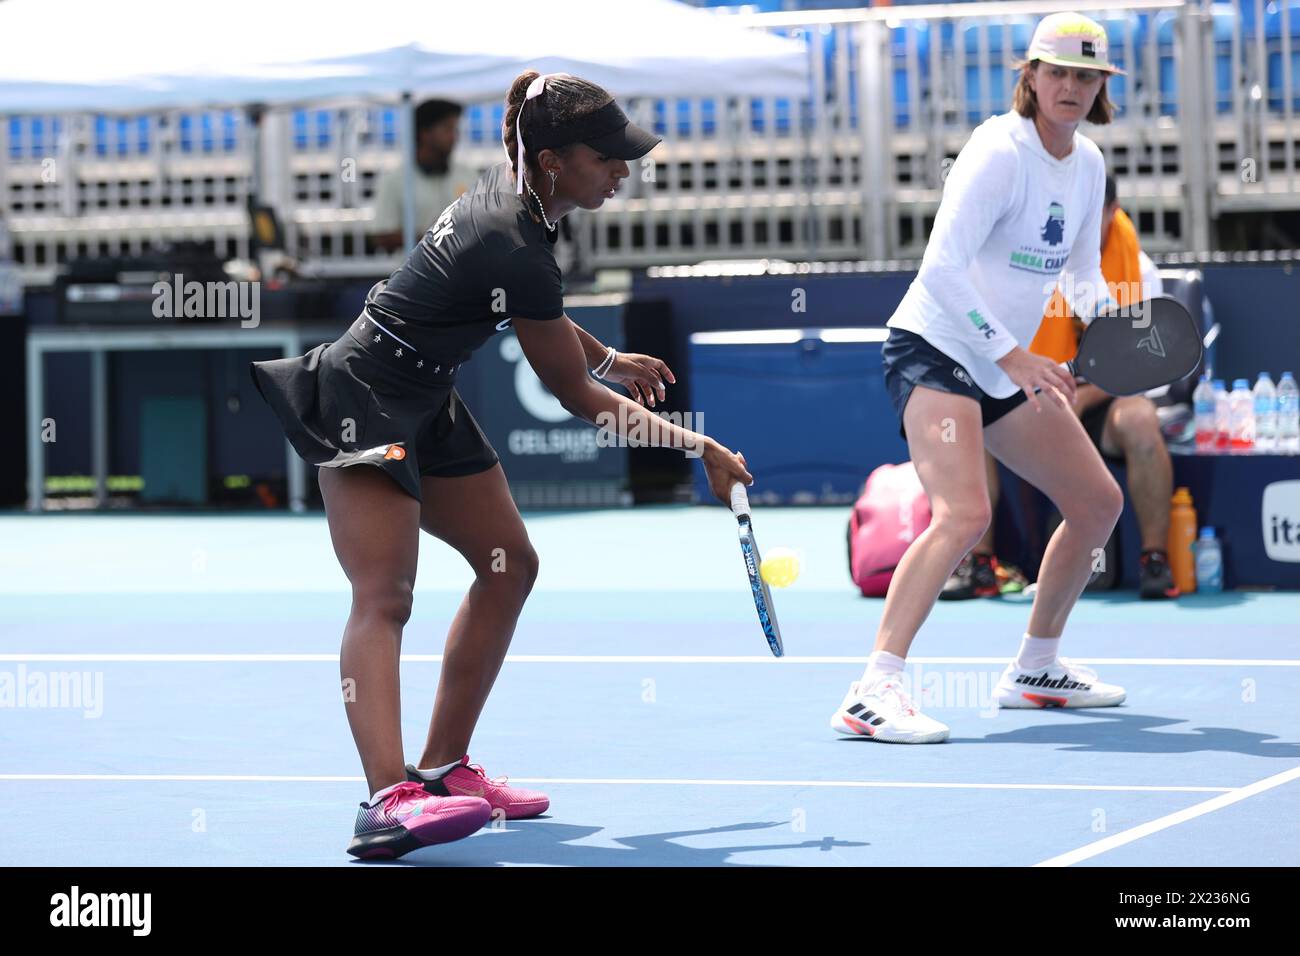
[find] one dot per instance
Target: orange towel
(1058, 335)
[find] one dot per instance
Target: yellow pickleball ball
(780, 568)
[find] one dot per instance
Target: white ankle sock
(1036, 652)
(439, 771)
(882, 664)
(435, 772)
(374, 797)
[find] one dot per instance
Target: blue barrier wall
(1259, 309)
(1258, 305)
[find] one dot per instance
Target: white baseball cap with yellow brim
(1071, 39)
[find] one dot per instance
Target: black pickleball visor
(607, 130)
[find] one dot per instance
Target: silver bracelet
(601, 370)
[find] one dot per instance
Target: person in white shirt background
(438, 180)
(1021, 205)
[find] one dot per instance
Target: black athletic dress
(384, 392)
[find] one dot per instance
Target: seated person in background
(1123, 429)
(438, 181)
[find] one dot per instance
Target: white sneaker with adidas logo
(1061, 684)
(883, 711)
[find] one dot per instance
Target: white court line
(637, 659)
(1172, 820)
(615, 781)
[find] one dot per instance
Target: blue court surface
(175, 680)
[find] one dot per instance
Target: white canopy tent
(132, 55)
(136, 55)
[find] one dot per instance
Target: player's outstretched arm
(556, 354)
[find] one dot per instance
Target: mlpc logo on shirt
(1054, 229)
(978, 321)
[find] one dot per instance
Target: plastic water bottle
(1241, 423)
(1288, 416)
(1209, 562)
(1265, 396)
(1182, 541)
(1203, 407)
(1222, 416)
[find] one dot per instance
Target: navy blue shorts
(911, 361)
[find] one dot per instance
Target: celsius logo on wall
(537, 401)
(1281, 517)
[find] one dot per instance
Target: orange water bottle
(1182, 535)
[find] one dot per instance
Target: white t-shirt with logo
(433, 194)
(1014, 223)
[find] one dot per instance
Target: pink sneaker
(407, 818)
(471, 780)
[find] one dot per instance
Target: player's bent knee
(1096, 508)
(965, 524)
(1109, 503)
(390, 602)
(512, 569)
(1137, 424)
(1144, 437)
(530, 564)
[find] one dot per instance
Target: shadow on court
(1095, 732)
(524, 842)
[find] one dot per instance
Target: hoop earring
(552, 174)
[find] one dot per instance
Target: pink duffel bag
(889, 515)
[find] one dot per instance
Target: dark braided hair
(565, 99)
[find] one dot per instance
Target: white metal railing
(1205, 124)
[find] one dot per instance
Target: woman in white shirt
(1021, 206)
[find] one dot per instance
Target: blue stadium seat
(484, 122)
(1122, 25)
(311, 125)
(781, 116)
(1274, 30)
(230, 121)
(1225, 16)
(681, 122)
(988, 91)
(898, 41)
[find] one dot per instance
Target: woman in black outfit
(383, 395)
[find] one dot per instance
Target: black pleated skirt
(367, 398)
